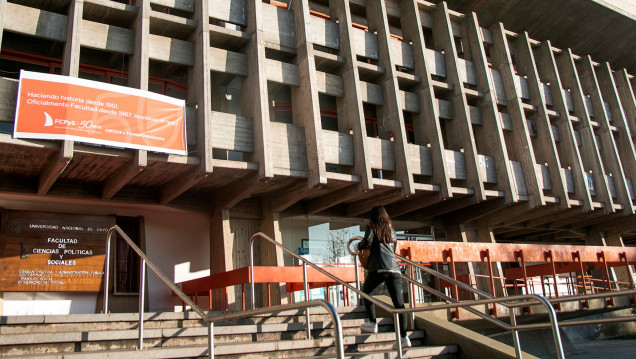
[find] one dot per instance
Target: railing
(511, 303)
(396, 312)
(145, 261)
(545, 283)
(381, 304)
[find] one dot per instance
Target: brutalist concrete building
(476, 121)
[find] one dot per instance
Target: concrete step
(49, 333)
(127, 339)
(123, 321)
(428, 352)
(166, 335)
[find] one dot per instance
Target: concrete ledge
(472, 345)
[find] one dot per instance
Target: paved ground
(604, 349)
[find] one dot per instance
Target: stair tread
(201, 350)
(116, 334)
(178, 335)
(133, 317)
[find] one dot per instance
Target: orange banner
(68, 108)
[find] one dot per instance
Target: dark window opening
(126, 260)
(371, 120)
(13, 61)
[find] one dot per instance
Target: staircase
(183, 335)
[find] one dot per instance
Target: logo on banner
(48, 121)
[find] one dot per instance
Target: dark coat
(382, 255)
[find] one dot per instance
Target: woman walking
(382, 267)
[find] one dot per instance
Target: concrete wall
(179, 244)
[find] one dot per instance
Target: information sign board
(41, 251)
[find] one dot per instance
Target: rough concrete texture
(539, 342)
(472, 345)
(606, 349)
(603, 331)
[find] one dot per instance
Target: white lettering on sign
(55, 262)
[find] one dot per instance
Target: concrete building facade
(301, 113)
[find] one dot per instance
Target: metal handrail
(206, 317)
(326, 273)
(509, 303)
(396, 312)
(467, 305)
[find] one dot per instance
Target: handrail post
(107, 269)
(210, 340)
(142, 292)
(555, 326)
(355, 267)
(252, 293)
(337, 327)
(411, 296)
(515, 333)
(398, 335)
(307, 319)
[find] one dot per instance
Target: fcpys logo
(48, 121)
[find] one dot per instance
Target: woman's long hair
(381, 225)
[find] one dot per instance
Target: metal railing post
(211, 340)
(515, 333)
(398, 335)
(355, 267)
(337, 326)
(107, 270)
(555, 327)
(142, 292)
(306, 300)
(411, 296)
(252, 293)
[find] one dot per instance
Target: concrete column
(495, 144)
(229, 250)
(390, 116)
(219, 261)
(137, 78)
(70, 62)
(3, 6)
(254, 89)
(464, 271)
(485, 235)
(597, 238)
(70, 67)
(462, 233)
(305, 97)
(567, 147)
(199, 91)
(621, 274)
(350, 110)
(461, 137)
(426, 123)
(271, 255)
